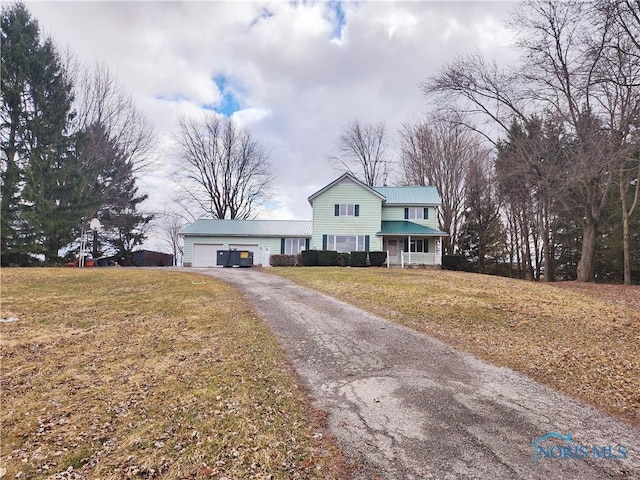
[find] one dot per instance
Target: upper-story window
(416, 213)
(347, 210)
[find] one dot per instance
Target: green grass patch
(578, 343)
(124, 373)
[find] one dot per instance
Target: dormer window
(346, 210)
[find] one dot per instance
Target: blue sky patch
(339, 19)
(229, 104)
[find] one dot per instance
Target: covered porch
(408, 243)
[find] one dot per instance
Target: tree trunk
(588, 252)
(625, 227)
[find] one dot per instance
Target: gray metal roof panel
(256, 228)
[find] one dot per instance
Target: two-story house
(348, 216)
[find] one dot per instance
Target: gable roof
(410, 195)
(413, 195)
(209, 227)
(346, 176)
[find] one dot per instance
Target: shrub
(282, 260)
(452, 262)
(327, 258)
(358, 259)
(344, 259)
(309, 258)
(377, 259)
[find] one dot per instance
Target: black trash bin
(230, 258)
(246, 258)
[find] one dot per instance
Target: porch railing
(413, 258)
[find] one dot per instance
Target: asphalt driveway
(405, 406)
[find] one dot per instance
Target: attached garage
(203, 239)
(205, 255)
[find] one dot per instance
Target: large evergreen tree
(20, 44)
(60, 170)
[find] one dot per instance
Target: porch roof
(399, 227)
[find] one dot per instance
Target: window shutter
(366, 243)
(282, 246)
(426, 245)
(336, 210)
(324, 242)
(406, 245)
(426, 213)
(406, 213)
(356, 210)
(306, 243)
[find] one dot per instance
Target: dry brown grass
(583, 344)
(119, 373)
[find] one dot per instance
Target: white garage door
(251, 248)
(205, 255)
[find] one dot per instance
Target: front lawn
(585, 345)
(131, 373)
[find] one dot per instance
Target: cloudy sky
(293, 73)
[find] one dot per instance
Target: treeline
(72, 143)
(560, 200)
(538, 163)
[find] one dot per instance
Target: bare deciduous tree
(618, 95)
(564, 49)
(226, 172)
(102, 101)
(363, 152)
(437, 152)
(169, 226)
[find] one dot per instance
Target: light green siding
(397, 213)
(326, 223)
(272, 243)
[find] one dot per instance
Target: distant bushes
(331, 258)
(453, 262)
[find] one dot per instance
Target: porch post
(409, 245)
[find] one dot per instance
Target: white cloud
(296, 82)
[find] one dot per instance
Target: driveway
(405, 406)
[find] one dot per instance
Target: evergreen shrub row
(331, 258)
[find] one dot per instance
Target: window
(293, 246)
(346, 243)
(417, 245)
(347, 210)
(416, 213)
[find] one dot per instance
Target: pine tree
(20, 42)
(52, 187)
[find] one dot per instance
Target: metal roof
(413, 195)
(399, 227)
(409, 195)
(253, 228)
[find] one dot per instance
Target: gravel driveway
(405, 406)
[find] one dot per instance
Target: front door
(392, 247)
